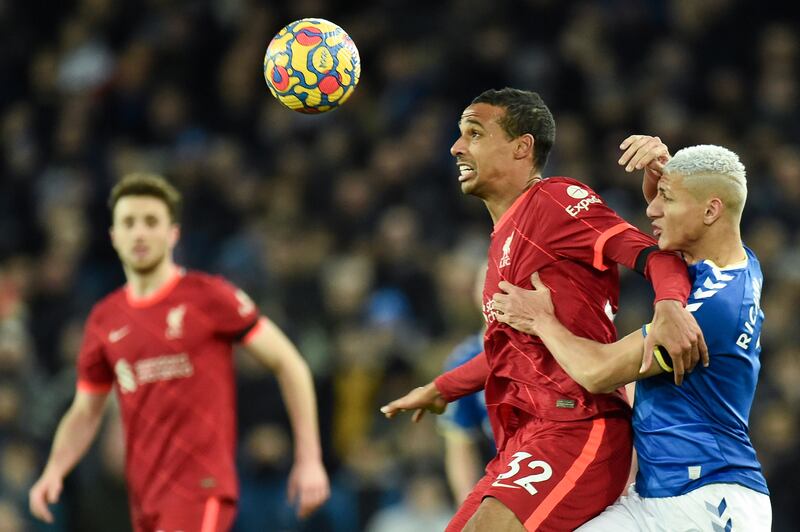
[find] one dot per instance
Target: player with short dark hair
(563, 453)
(165, 342)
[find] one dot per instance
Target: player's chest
(516, 252)
(170, 328)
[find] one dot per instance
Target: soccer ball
(312, 66)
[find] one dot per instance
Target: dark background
(349, 228)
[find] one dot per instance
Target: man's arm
(465, 379)
(308, 481)
(76, 431)
(599, 368)
(673, 326)
(462, 462)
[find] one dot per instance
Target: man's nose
(457, 148)
(653, 210)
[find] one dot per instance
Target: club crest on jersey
(505, 260)
(175, 322)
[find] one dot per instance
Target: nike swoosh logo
(118, 334)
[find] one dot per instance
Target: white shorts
(713, 508)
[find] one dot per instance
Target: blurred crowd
(349, 229)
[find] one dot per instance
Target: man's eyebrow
(469, 121)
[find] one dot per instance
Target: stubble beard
(147, 268)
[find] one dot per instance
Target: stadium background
(349, 229)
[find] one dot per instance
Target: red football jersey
(558, 228)
(170, 356)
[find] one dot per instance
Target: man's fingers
(694, 358)
(499, 298)
(392, 408)
(505, 286)
(630, 140)
(536, 281)
(704, 358)
(308, 502)
(677, 367)
(651, 150)
(417, 416)
(627, 142)
(633, 147)
(38, 507)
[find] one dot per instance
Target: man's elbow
(597, 380)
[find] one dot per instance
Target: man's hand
(643, 152)
(422, 399)
(523, 309)
(677, 331)
(308, 487)
(46, 491)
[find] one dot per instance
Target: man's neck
(143, 285)
(723, 248)
(499, 204)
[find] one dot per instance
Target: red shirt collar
(157, 296)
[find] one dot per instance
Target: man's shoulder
(565, 194)
(203, 284)
(566, 185)
(108, 304)
(719, 296)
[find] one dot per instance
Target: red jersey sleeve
(665, 270)
(95, 375)
(232, 311)
(464, 379)
(580, 226)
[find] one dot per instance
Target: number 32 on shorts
(545, 472)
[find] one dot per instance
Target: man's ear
(174, 235)
(714, 209)
(523, 146)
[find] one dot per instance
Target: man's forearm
(75, 433)
(598, 367)
(297, 389)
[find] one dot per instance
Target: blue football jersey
(468, 413)
(696, 434)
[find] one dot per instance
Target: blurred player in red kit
(563, 453)
(166, 339)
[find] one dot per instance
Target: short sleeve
(95, 375)
(233, 313)
(577, 223)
